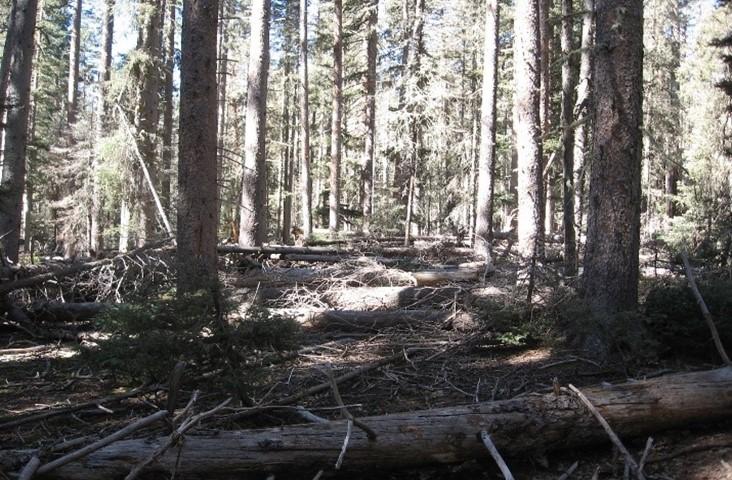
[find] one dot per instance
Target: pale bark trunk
(570, 246)
(377, 298)
(105, 68)
(198, 199)
(306, 187)
(16, 136)
(167, 153)
(487, 159)
(74, 56)
(124, 226)
(528, 129)
(367, 165)
(253, 226)
(581, 110)
(336, 143)
(518, 427)
(546, 32)
(613, 225)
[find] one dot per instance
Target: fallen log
(376, 298)
(439, 436)
(465, 272)
(66, 312)
(279, 250)
(354, 320)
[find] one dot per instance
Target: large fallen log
(279, 250)
(376, 298)
(446, 435)
(354, 320)
(465, 272)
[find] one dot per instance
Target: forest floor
(454, 359)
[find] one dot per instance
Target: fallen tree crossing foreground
(521, 426)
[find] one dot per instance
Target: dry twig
(486, 439)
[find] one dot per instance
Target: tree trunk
(367, 165)
(613, 226)
(198, 199)
(105, 69)
(74, 57)
(146, 114)
(359, 321)
(16, 133)
(581, 110)
(528, 129)
(287, 148)
(167, 153)
(518, 427)
(546, 33)
(306, 187)
(253, 226)
(336, 143)
(487, 159)
(570, 247)
(124, 226)
(7, 56)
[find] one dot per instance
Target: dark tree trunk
(306, 187)
(336, 143)
(367, 165)
(167, 153)
(487, 159)
(527, 67)
(570, 247)
(582, 105)
(16, 136)
(7, 56)
(613, 226)
(72, 103)
(197, 188)
(253, 226)
(287, 167)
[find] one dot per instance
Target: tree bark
(306, 187)
(146, 113)
(518, 427)
(613, 227)
(336, 143)
(198, 199)
(581, 110)
(487, 159)
(527, 76)
(367, 164)
(74, 57)
(253, 225)
(105, 69)
(570, 246)
(359, 321)
(16, 132)
(7, 57)
(167, 153)
(287, 167)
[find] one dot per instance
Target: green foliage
(144, 341)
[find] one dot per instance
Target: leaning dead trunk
(440, 436)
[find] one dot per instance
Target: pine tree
(198, 202)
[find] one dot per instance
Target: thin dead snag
(486, 439)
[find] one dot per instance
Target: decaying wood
(462, 273)
(279, 250)
(377, 298)
(445, 435)
(358, 320)
(705, 311)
